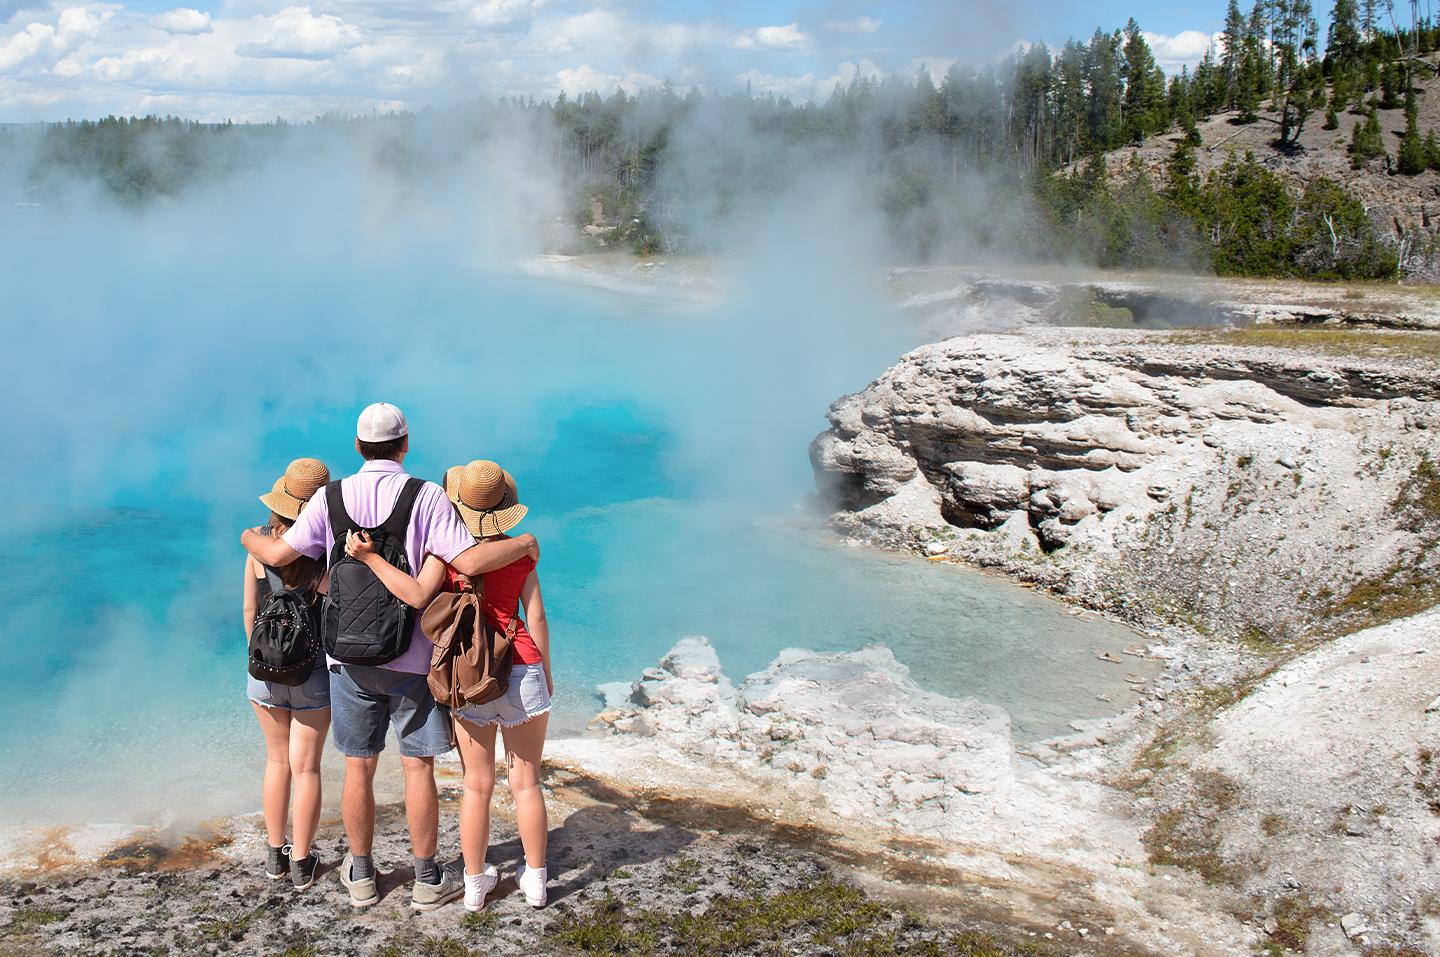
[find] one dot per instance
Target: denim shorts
(366, 702)
(526, 697)
(313, 695)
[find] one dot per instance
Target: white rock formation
(1246, 487)
(851, 730)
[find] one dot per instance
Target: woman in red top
(488, 501)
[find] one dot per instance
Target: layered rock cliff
(1249, 489)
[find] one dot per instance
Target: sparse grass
(1189, 836)
(827, 913)
(1294, 915)
(29, 917)
(1272, 824)
(232, 927)
(1402, 591)
(1419, 498)
(1211, 701)
(1358, 343)
(414, 944)
(304, 949)
(480, 921)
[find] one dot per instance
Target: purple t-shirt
(370, 495)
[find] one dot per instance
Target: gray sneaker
(277, 862)
(363, 892)
(451, 887)
(302, 870)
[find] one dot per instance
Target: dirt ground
(610, 849)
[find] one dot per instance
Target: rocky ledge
(1246, 489)
(851, 730)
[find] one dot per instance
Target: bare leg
(275, 791)
(422, 805)
(477, 756)
(524, 748)
(307, 741)
(357, 803)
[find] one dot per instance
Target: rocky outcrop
(850, 730)
(1227, 485)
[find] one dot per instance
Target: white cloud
(798, 88)
(499, 13)
(43, 44)
(182, 20)
(296, 33)
(1184, 49)
(585, 79)
(937, 66)
(770, 38)
(863, 25)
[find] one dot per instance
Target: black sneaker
(277, 864)
(302, 872)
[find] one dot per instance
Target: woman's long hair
(304, 573)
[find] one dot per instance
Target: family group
(454, 538)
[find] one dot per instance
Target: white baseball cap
(381, 422)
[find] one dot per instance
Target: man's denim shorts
(313, 695)
(366, 701)
(526, 697)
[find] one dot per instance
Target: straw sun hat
(486, 496)
(302, 478)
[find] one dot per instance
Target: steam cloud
(165, 365)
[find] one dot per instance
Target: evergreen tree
(1368, 18)
(1207, 95)
(1367, 141)
(1342, 39)
(1144, 87)
(1233, 56)
(1432, 150)
(1412, 157)
(1257, 51)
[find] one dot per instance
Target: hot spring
(165, 366)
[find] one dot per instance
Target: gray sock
(427, 871)
(362, 866)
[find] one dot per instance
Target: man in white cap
(366, 699)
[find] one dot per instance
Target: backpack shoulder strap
(273, 577)
(399, 520)
(340, 520)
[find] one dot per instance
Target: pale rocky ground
(1238, 488)
(945, 301)
(1229, 499)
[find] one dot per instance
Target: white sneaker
(532, 882)
(478, 887)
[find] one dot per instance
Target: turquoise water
(162, 369)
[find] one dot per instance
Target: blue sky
(258, 59)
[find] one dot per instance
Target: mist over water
(164, 367)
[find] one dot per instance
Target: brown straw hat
(302, 479)
(486, 496)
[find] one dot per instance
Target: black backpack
(362, 623)
(284, 639)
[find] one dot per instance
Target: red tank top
(500, 602)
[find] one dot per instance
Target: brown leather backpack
(471, 662)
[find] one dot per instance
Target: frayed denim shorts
(313, 695)
(526, 698)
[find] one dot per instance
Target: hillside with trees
(1280, 154)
